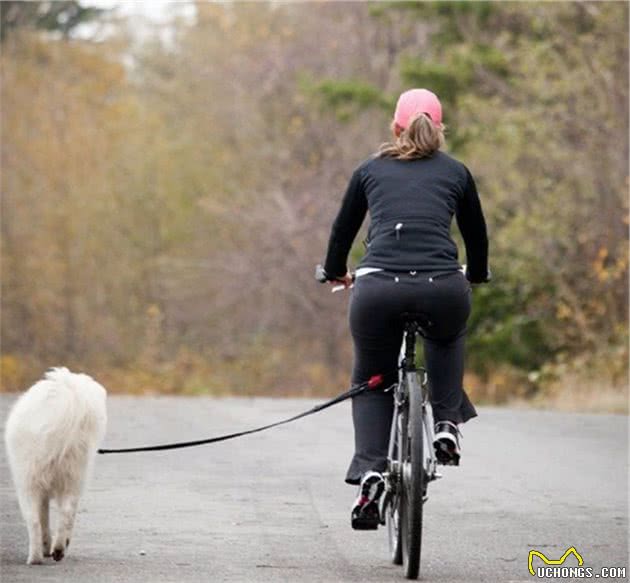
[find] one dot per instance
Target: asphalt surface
(273, 506)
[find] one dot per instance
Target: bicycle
(411, 460)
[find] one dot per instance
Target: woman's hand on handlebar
(338, 283)
(347, 280)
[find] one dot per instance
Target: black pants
(378, 301)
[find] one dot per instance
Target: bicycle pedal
(365, 522)
(449, 462)
(446, 454)
(366, 517)
(364, 525)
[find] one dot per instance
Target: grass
(292, 373)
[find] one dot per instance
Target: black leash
(373, 383)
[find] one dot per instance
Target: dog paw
(58, 554)
(35, 560)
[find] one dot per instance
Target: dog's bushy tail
(55, 416)
(75, 418)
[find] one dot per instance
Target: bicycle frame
(406, 481)
(407, 366)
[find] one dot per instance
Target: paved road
(273, 506)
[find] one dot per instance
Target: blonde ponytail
(419, 140)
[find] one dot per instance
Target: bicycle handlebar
(322, 277)
(488, 279)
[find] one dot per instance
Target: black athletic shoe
(446, 443)
(365, 513)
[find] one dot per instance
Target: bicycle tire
(392, 516)
(412, 481)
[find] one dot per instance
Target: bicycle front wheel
(413, 481)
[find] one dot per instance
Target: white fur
(51, 436)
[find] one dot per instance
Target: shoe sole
(369, 519)
(446, 452)
(368, 516)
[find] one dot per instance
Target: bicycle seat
(417, 318)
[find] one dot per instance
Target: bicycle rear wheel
(413, 480)
(392, 505)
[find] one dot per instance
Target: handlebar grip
(487, 279)
(320, 274)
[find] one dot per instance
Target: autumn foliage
(164, 201)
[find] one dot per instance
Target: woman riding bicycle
(411, 190)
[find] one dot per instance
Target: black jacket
(411, 204)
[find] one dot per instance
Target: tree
(61, 16)
(536, 104)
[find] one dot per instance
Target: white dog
(51, 436)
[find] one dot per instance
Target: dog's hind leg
(44, 519)
(67, 511)
(31, 503)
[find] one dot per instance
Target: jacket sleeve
(472, 226)
(346, 226)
